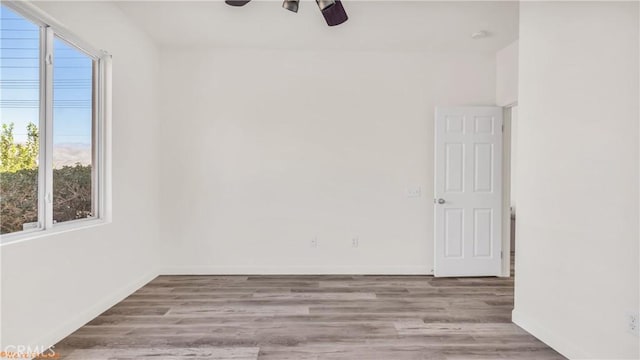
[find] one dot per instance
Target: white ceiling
(372, 25)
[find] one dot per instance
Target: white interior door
(468, 191)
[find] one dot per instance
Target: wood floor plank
(417, 327)
(230, 310)
(309, 317)
(166, 354)
(316, 296)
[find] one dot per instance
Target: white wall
(52, 285)
(507, 75)
(280, 147)
(577, 262)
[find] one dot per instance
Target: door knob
(441, 201)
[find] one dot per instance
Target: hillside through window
(72, 133)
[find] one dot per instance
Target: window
(52, 115)
(72, 133)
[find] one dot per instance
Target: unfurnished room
(319, 180)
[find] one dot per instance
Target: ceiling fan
(332, 10)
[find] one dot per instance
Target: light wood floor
(309, 317)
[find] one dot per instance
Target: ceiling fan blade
(335, 14)
(291, 5)
(237, 2)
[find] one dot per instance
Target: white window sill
(65, 227)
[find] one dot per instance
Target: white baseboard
(554, 340)
(84, 317)
(296, 270)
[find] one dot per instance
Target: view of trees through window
(20, 135)
(18, 179)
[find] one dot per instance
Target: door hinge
(502, 127)
(501, 255)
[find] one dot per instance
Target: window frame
(50, 29)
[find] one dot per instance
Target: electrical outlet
(314, 242)
(632, 323)
(355, 242)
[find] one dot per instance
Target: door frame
(506, 191)
(506, 188)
